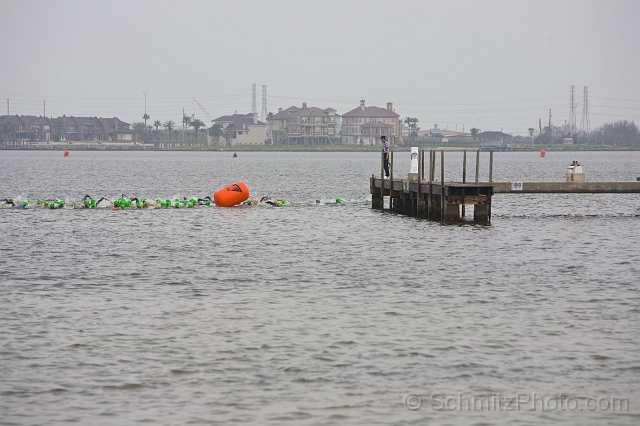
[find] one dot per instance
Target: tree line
(153, 133)
(619, 133)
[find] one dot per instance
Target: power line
(263, 114)
(572, 110)
(585, 123)
(254, 109)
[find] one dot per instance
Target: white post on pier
(413, 173)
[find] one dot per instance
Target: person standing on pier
(385, 152)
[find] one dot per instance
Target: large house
(304, 126)
(364, 125)
(93, 129)
(277, 125)
(25, 127)
(28, 127)
(243, 129)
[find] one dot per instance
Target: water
(312, 314)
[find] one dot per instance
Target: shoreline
(57, 146)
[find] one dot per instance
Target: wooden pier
(443, 200)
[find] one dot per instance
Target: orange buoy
(542, 153)
(231, 195)
(66, 152)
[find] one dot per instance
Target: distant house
(246, 130)
(311, 125)
(567, 141)
(497, 141)
(92, 129)
(277, 129)
(366, 124)
(25, 127)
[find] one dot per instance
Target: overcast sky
(493, 65)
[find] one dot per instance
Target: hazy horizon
(493, 65)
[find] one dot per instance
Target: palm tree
(411, 122)
(215, 132)
(157, 124)
(196, 124)
(185, 122)
(474, 132)
(169, 125)
(145, 117)
(229, 132)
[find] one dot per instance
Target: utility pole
(8, 106)
(540, 126)
(550, 133)
(44, 109)
(184, 125)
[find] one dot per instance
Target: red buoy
(66, 152)
(231, 195)
(542, 153)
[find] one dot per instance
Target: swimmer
(262, 200)
(206, 201)
(7, 202)
(276, 203)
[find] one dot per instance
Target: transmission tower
(585, 123)
(254, 110)
(263, 114)
(572, 110)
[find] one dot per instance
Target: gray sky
(487, 64)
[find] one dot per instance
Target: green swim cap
(10, 200)
(157, 200)
(39, 202)
(61, 203)
(74, 203)
(138, 205)
(25, 203)
(208, 202)
(53, 206)
(93, 205)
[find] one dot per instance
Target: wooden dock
(447, 200)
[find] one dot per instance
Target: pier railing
(422, 195)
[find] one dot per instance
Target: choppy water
(311, 314)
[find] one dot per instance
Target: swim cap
(137, 205)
